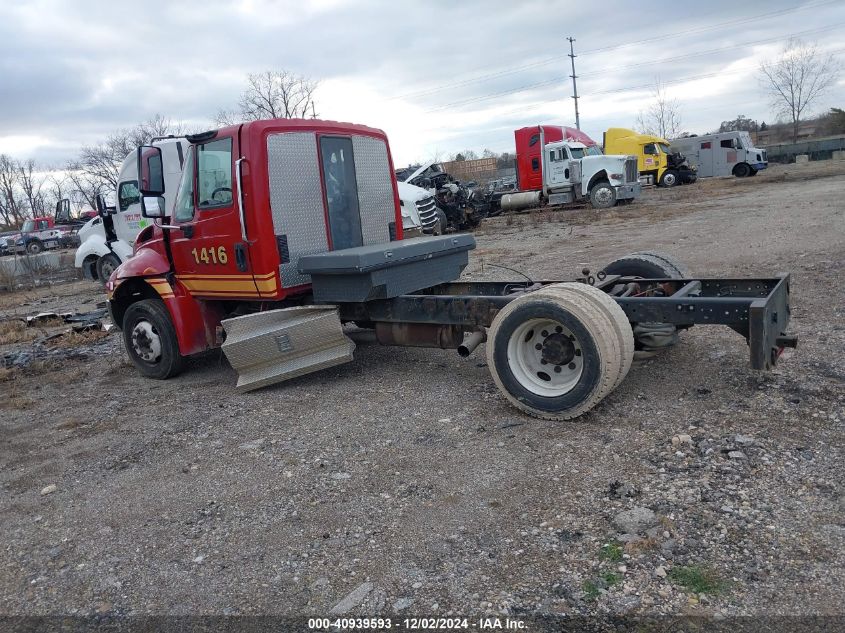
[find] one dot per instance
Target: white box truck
(722, 154)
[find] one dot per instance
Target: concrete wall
(818, 149)
(36, 269)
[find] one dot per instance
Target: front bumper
(628, 191)
(759, 166)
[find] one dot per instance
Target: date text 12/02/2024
(416, 624)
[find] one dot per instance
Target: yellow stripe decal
(199, 276)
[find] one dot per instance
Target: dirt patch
(405, 471)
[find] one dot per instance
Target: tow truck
(285, 238)
(44, 232)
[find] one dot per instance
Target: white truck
(108, 240)
(722, 154)
(563, 172)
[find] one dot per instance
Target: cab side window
(651, 148)
(128, 194)
(727, 143)
(214, 174)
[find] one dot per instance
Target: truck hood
(92, 226)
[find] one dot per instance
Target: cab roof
(263, 126)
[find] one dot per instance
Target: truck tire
(742, 170)
(655, 265)
(150, 339)
(602, 195)
(35, 247)
(105, 266)
(753, 172)
(670, 264)
(622, 329)
(669, 178)
(555, 353)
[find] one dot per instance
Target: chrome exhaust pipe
(472, 341)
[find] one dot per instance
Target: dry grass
(16, 331)
(77, 339)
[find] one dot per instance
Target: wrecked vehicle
(463, 208)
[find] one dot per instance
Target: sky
(437, 76)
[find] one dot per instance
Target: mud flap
(278, 345)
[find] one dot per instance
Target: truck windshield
(183, 208)
(594, 150)
(577, 152)
(29, 225)
(664, 148)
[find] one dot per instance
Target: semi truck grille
(428, 212)
(631, 174)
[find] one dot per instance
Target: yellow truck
(657, 163)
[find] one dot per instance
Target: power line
(549, 60)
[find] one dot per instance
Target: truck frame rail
(756, 308)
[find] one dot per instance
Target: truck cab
(657, 162)
(559, 171)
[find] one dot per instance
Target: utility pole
(574, 85)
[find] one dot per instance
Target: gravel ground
(403, 482)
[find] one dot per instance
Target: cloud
(438, 76)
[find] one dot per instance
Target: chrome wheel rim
(604, 195)
(146, 342)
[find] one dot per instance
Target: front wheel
(743, 170)
(150, 339)
(34, 247)
(669, 178)
(556, 352)
(105, 266)
(753, 172)
(602, 195)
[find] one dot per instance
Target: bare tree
(273, 94)
(741, 123)
(466, 154)
(797, 78)
(662, 117)
(31, 184)
(12, 200)
(101, 162)
(83, 186)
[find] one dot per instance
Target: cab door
(209, 254)
(558, 165)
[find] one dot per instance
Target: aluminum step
(277, 345)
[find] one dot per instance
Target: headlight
(617, 176)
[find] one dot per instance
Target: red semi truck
(284, 231)
(558, 165)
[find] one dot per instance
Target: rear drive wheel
(106, 265)
(602, 195)
(150, 339)
(555, 353)
(743, 170)
(653, 265)
(669, 178)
